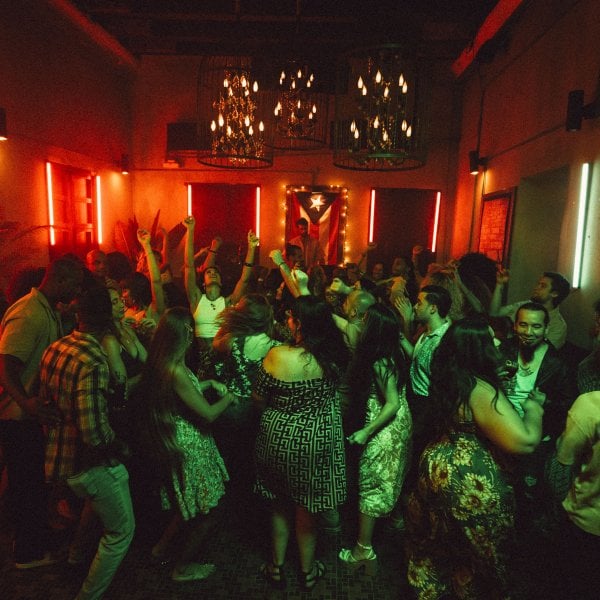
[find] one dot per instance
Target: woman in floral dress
(377, 380)
(460, 518)
(179, 450)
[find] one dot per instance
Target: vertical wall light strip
(436, 221)
(372, 217)
(50, 195)
(582, 212)
(99, 233)
(257, 227)
(189, 199)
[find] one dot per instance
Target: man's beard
(527, 352)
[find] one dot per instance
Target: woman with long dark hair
(245, 335)
(299, 449)
(461, 516)
(179, 450)
(377, 383)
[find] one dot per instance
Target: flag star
(317, 201)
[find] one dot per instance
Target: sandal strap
(312, 577)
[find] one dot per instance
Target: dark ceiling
(321, 29)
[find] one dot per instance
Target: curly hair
(251, 315)
(466, 353)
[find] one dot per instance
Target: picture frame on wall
(496, 224)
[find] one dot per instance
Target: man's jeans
(106, 492)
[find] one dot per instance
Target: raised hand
(143, 236)
(276, 257)
(253, 241)
(404, 307)
(502, 276)
(189, 222)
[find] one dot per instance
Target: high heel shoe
(369, 562)
(310, 579)
(274, 575)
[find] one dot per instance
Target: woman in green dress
(176, 443)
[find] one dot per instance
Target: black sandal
(310, 579)
(274, 575)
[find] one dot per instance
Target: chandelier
(379, 128)
(299, 110)
(237, 136)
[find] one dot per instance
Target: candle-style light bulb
(226, 82)
(385, 135)
(360, 82)
(293, 85)
(261, 126)
(401, 80)
(299, 73)
(378, 76)
(376, 122)
(250, 130)
(314, 108)
(364, 90)
(299, 105)
(405, 88)
(247, 121)
(353, 126)
(386, 92)
(404, 125)
(308, 83)
(243, 81)
(213, 125)
(356, 134)
(409, 131)
(282, 76)
(221, 120)
(229, 131)
(255, 87)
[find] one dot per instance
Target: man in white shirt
(551, 289)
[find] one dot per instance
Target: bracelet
(213, 251)
(247, 264)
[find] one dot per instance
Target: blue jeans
(106, 492)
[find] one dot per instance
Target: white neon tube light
(582, 212)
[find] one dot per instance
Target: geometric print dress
(460, 521)
(299, 449)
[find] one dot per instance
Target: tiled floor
(238, 547)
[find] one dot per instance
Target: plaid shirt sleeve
(90, 399)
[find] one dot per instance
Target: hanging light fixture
(379, 121)
(237, 136)
(300, 112)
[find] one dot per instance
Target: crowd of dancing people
(412, 396)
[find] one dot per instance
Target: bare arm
(11, 369)
(158, 296)
(387, 384)
(194, 399)
(242, 284)
(116, 367)
(496, 300)
(502, 425)
(191, 287)
(277, 258)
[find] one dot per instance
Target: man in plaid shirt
(83, 450)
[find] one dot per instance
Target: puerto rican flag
(322, 211)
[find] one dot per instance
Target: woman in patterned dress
(460, 518)
(299, 448)
(378, 405)
(179, 450)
